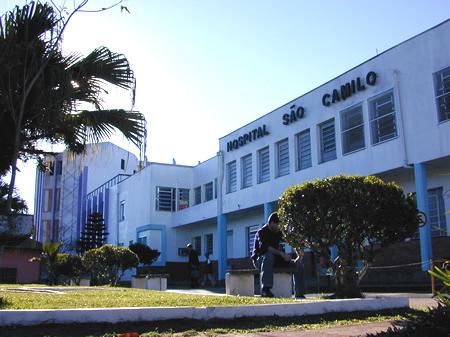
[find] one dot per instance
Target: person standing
(194, 266)
(267, 254)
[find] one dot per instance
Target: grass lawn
(126, 297)
(106, 297)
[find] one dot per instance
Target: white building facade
(389, 117)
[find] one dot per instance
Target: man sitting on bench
(267, 254)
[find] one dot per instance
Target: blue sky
(206, 68)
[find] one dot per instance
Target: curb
(118, 315)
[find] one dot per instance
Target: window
(442, 92)
(165, 199)
(303, 150)
(122, 210)
(197, 195)
(382, 118)
(263, 165)
(48, 197)
(197, 243)
(231, 177)
(122, 164)
(209, 191)
(183, 198)
(208, 244)
(327, 141)
(282, 158)
(436, 212)
(352, 128)
(215, 188)
(246, 164)
(251, 232)
(55, 231)
(58, 199)
(59, 168)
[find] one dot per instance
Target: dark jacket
(264, 239)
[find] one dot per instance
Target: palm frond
(97, 125)
(100, 66)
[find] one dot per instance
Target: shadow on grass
(212, 327)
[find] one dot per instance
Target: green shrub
(356, 214)
(108, 263)
(145, 254)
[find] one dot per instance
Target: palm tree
(48, 96)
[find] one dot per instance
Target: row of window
(167, 198)
(383, 127)
(197, 243)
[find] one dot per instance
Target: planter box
(85, 282)
(151, 281)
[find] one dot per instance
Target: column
(420, 174)
(268, 208)
(222, 251)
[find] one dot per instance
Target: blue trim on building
(162, 228)
(83, 199)
(55, 184)
(94, 204)
(268, 209)
(100, 203)
(420, 175)
(106, 212)
(222, 240)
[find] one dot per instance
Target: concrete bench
(242, 282)
(150, 281)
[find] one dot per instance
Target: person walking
(194, 266)
(267, 254)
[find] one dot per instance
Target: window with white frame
(183, 198)
(436, 212)
(327, 141)
(209, 244)
(263, 165)
(382, 118)
(231, 177)
(197, 195)
(247, 176)
(251, 232)
(352, 129)
(165, 199)
(303, 140)
(122, 210)
(282, 148)
(197, 243)
(208, 191)
(442, 92)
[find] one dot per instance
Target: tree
(50, 253)
(70, 266)
(94, 233)
(18, 205)
(108, 263)
(356, 214)
(48, 96)
(145, 254)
